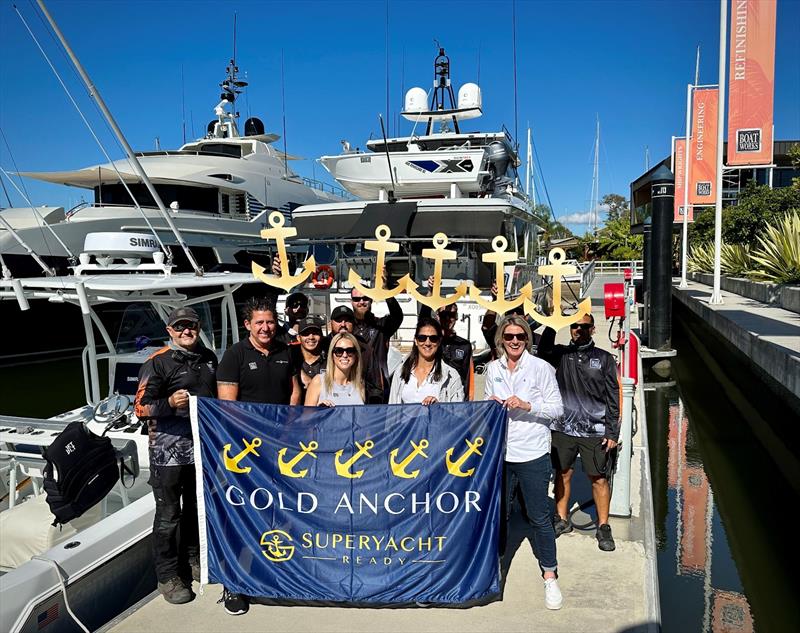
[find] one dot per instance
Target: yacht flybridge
(440, 178)
(219, 190)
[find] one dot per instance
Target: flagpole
(686, 175)
(716, 295)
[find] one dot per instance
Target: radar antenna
(442, 88)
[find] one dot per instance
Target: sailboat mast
(595, 196)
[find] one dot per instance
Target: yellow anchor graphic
(287, 468)
(454, 467)
(343, 468)
(555, 270)
(438, 254)
(500, 257)
(381, 246)
(279, 234)
(232, 463)
(399, 469)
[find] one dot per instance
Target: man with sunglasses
(587, 379)
(376, 333)
(185, 366)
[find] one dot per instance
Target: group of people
(562, 401)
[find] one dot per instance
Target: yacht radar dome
(469, 97)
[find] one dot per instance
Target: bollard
(621, 495)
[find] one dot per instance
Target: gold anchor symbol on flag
(381, 246)
(287, 468)
(438, 254)
(500, 257)
(232, 463)
(454, 467)
(279, 234)
(399, 469)
(343, 468)
(555, 270)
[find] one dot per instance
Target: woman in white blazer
(526, 386)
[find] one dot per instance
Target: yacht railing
(617, 267)
(587, 277)
(326, 188)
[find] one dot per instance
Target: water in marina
(722, 505)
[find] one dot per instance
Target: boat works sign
(363, 505)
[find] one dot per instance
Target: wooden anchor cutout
(556, 270)
(500, 257)
(381, 245)
(279, 234)
(438, 254)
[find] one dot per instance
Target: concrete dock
(603, 591)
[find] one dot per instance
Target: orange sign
(752, 82)
(679, 162)
(703, 147)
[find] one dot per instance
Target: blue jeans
(533, 478)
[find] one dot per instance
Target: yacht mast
(595, 195)
(121, 137)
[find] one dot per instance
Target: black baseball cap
(310, 322)
(341, 313)
(296, 296)
(182, 314)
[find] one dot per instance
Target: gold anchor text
(454, 467)
(343, 468)
(381, 246)
(399, 469)
(232, 463)
(556, 270)
(279, 234)
(438, 254)
(287, 468)
(499, 258)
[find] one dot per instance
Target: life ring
(322, 277)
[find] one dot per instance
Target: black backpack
(81, 469)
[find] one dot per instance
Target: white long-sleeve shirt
(533, 380)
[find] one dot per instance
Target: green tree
(552, 228)
(742, 223)
(615, 242)
(617, 206)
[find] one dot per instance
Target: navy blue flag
(378, 504)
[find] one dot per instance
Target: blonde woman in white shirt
(343, 381)
(527, 387)
(424, 377)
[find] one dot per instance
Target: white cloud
(576, 218)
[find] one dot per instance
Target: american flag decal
(48, 616)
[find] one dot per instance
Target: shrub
(777, 256)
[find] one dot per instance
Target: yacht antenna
(442, 89)
(388, 108)
(183, 106)
(121, 137)
(388, 159)
(283, 114)
(514, 50)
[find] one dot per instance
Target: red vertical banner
(679, 162)
(703, 147)
(752, 82)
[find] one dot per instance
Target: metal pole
(94, 93)
(86, 311)
(716, 295)
(686, 173)
(621, 497)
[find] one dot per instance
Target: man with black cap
(376, 333)
(309, 355)
(184, 367)
(295, 310)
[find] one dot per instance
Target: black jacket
(165, 372)
(590, 389)
(377, 334)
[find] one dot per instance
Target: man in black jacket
(377, 333)
(184, 367)
(587, 379)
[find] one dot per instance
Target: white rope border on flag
(199, 492)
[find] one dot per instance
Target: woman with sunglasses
(343, 381)
(526, 386)
(423, 377)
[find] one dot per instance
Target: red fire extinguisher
(632, 358)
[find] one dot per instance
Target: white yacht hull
(416, 174)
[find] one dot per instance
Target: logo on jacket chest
(594, 363)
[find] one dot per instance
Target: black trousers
(175, 537)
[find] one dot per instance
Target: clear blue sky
(626, 61)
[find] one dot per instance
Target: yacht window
(188, 198)
(233, 204)
(223, 149)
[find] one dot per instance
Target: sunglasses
(433, 338)
(296, 304)
(521, 336)
(341, 351)
(582, 326)
(361, 300)
(180, 326)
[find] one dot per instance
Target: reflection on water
(719, 500)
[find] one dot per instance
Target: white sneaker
(552, 594)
